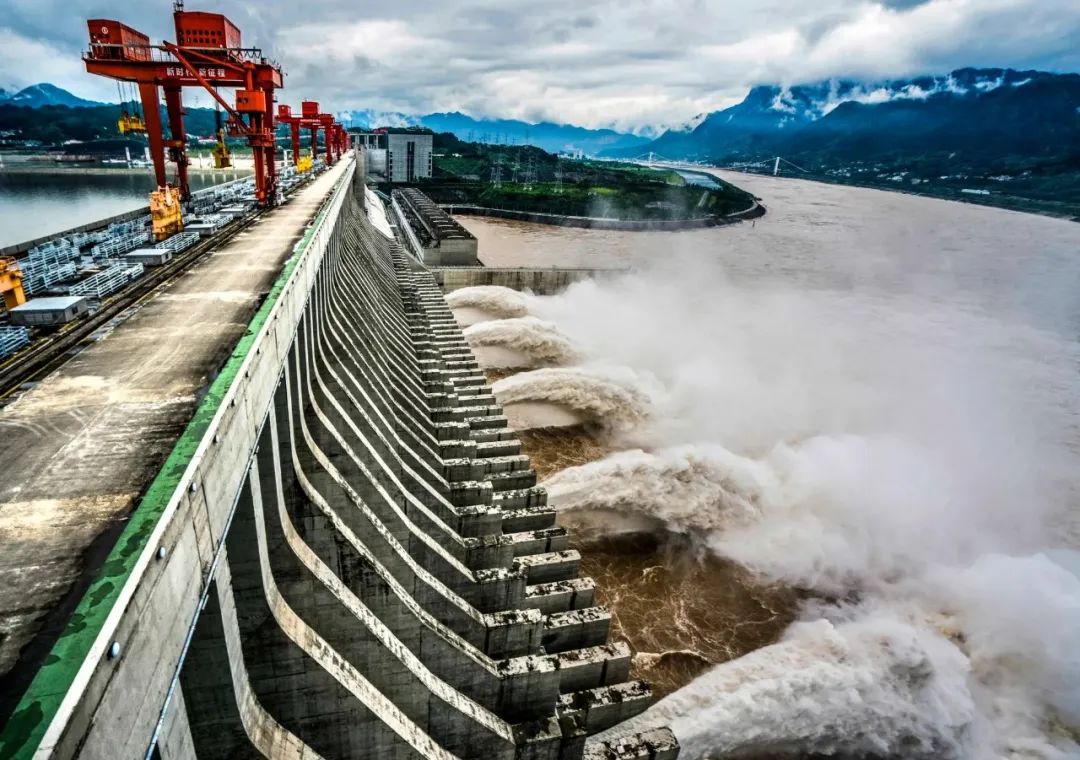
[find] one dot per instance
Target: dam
(344, 553)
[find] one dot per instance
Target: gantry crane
(207, 54)
(335, 138)
(297, 122)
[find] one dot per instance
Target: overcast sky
(629, 64)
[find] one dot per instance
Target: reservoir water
(818, 235)
(825, 466)
(38, 203)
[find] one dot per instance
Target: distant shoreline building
(396, 154)
(409, 156)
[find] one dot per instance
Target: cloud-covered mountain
(44, 94)
(551, 137)
(991, 111)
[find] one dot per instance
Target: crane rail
(46, 354)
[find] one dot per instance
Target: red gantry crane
(335, 138)
(207, 53)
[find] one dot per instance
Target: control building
(408, 156)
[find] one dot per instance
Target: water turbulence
(522, 342)
(873, 688)
(688, 490)
(480, 303)
(555, 397)
(829, 522)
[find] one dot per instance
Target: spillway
(345, 555)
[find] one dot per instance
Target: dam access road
(81, 446)
(294, 526)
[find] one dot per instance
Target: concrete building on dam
(344, 555)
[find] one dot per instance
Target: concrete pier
(344, 555)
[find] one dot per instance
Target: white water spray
(483, 302)
(520, 342)
(900, 453)
(615, 399)
(876, 687)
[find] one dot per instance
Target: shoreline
(967, 200)
(600, 223)
(23, 168)
(16, 249)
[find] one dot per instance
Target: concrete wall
(597, 223)
(397, 156)
(541, 281)
(353, 559)
(375, 161)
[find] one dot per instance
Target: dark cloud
(903, 5)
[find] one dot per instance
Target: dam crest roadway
(276, 511)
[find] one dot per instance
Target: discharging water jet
(610, 399)
(522, 342)
(478, 303)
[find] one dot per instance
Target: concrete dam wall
(346, 555)
(542, 281)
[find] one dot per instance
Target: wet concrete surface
(80, 447)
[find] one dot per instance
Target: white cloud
(25, 61)
(630, 64)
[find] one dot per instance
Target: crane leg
(148, 92)
(271, 150)
(178, 141)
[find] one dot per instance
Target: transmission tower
(530, 171)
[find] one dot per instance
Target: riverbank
(755, 211)
(525, 183)
(1068, 210)
(38, 205)
(107, 171)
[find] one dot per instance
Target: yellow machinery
(130, 124)
(303, 164)
(166, 213)
(222, 159)
(11, 284)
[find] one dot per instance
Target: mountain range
(44, 94)
(993, 135)
(554, 138)
(982, 114)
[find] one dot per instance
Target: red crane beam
(207, 54)
(311, 118)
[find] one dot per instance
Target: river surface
(818, 235)
(39, 203)
(819, 465)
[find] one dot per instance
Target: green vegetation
(1047, 186)
(525, 178)
(94, 129)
